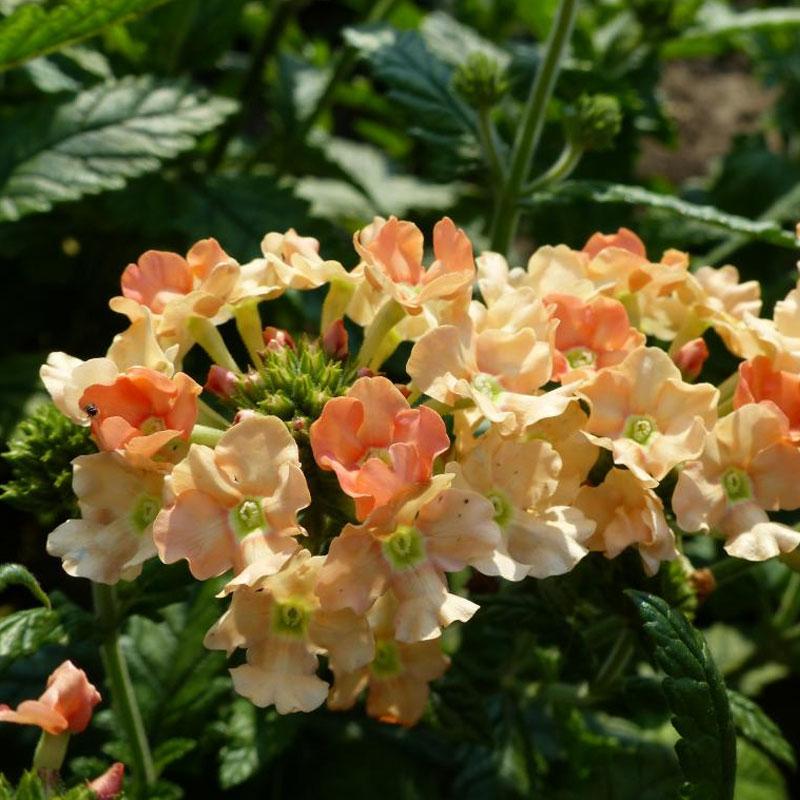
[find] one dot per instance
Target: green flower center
(640, 428)
(290, 618)
(736, 484)
(487, 385)
(502, 507)
(386, 663)
(405, 548)
(144, 512)
(152, 425)
(247, 516)
(580, 357)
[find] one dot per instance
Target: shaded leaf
(33, 30)
(757, 778)
(96, 141)
(697, 698)
(755, 726)
(17, 575)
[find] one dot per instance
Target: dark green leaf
(697, 698)
(171, 750)
(755, 726)
(17, 575)
(415, 77)
(33, 30)
(601, 192)
(99, 139)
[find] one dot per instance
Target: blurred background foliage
(134, 124)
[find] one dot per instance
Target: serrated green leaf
(417, 80)
(33, 30)
(697, 698)
(17, 575)
(755, 726)
(170, 751)
(238, 757)
(24, 632)
(717, 27)
(757, 778)
(96, 141)
(601, 192)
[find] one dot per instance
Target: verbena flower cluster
(540, 423)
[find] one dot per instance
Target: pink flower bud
(335, 340)
(276, 339)
(690, 358)
(109, 784)
(243, 414)
(220, 381)
(365, 372)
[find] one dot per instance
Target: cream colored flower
(749, 466)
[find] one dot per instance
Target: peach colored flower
(550, 270)
(590, 335)
(724, 292)
(647, 415)
(397, 678)
(749, 466)
(392, 253)
(289, 261)
(375, 443)
(144, 414)
(114, 535)
(65, 707)
(407, 546)
(623, 239)
(236, 504)
(627, 514)
(497, 360)
(521, 477)
(175, 289)
(278, 619)
(66, 377)
(759, 380)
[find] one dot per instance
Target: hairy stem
(506, 213)
(123, 699)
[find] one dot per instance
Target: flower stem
(210, 339)
(50, 752)
(379, 329)
(561, 169)
(250, 327)
(203, 434)
(506, 213)
(123, 699)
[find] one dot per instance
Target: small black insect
(91, 410)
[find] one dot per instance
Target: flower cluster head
(545, 414)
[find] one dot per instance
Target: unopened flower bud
(480, 81)
(594, 121)
(690, 358)
(276, 339)
(109, 785)
(220, 381)
(703, 583)
(365, 372)
(335, 340)
(243, 414)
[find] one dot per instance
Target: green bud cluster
(595, 121)
(294, 383)
(480, 81)
(40, 452)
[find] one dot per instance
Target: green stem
(615, 663)
(202, 434)
(506, 214)
(50, 752)
(389, 315)
(249, 325)
(561, 169)
(210, 339)
(123, 699)
(208, 416)
(729, 569)
(790, 603)
(488, 137)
